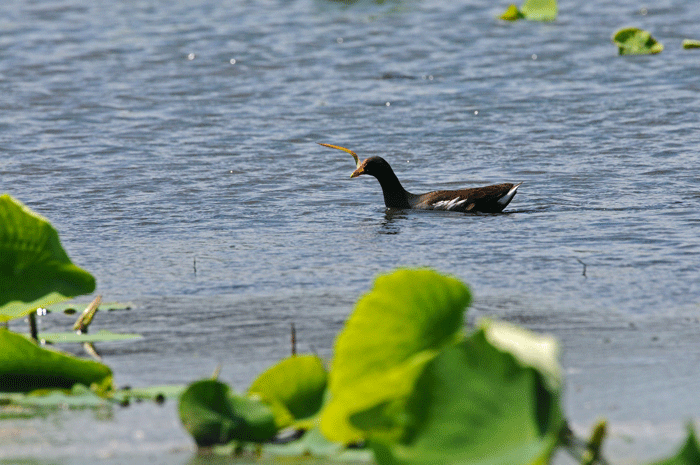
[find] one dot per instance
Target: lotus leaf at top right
(634, 41)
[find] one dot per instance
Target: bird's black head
(374, 166)
(395, 196)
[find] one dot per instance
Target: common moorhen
(487, 199)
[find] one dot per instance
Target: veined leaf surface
(35, 271)
(476, 403)
(397, 327)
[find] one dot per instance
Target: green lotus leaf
(71, 308)
(477, 403)
(47, 399)
(539, 10)
(293, 388)
(690, 43)
(397, 327)
(152, 393)
(633, 41)
(42, 402)
(24, 367)
(213, 415)
(34, 269)
(98, 336)
(512, 13)
(540, 352)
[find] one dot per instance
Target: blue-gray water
(164, 137)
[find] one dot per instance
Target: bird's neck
(395, 196)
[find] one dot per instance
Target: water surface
(172, 144)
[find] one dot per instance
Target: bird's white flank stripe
(449, 204)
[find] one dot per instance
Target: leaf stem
(32, 326)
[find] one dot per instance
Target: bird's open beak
(357, 172)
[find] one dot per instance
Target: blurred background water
(172, 144)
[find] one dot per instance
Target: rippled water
(173, 146)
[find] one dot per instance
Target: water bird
(486, 199)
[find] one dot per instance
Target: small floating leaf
(71, 308)
(153, 393)
(41, 400)
(99, 336)
(690, 43)
(633, 41)
(540, 10)
(35, 271)
(512, 13)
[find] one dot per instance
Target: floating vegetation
(690, 43)
(102, 335)
(407, 384)
(534, 10)
(512, 13)
(634, 41)
(36, 272)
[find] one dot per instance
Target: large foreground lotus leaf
(293, 388)
(538, 351)
(633, 41)
(540, 10)
(34, 269)
(24, 367)
(476, 403)
(689, 454)
(213, 415)
(394, 330)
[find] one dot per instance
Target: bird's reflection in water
(392, 220)
(393, 217)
